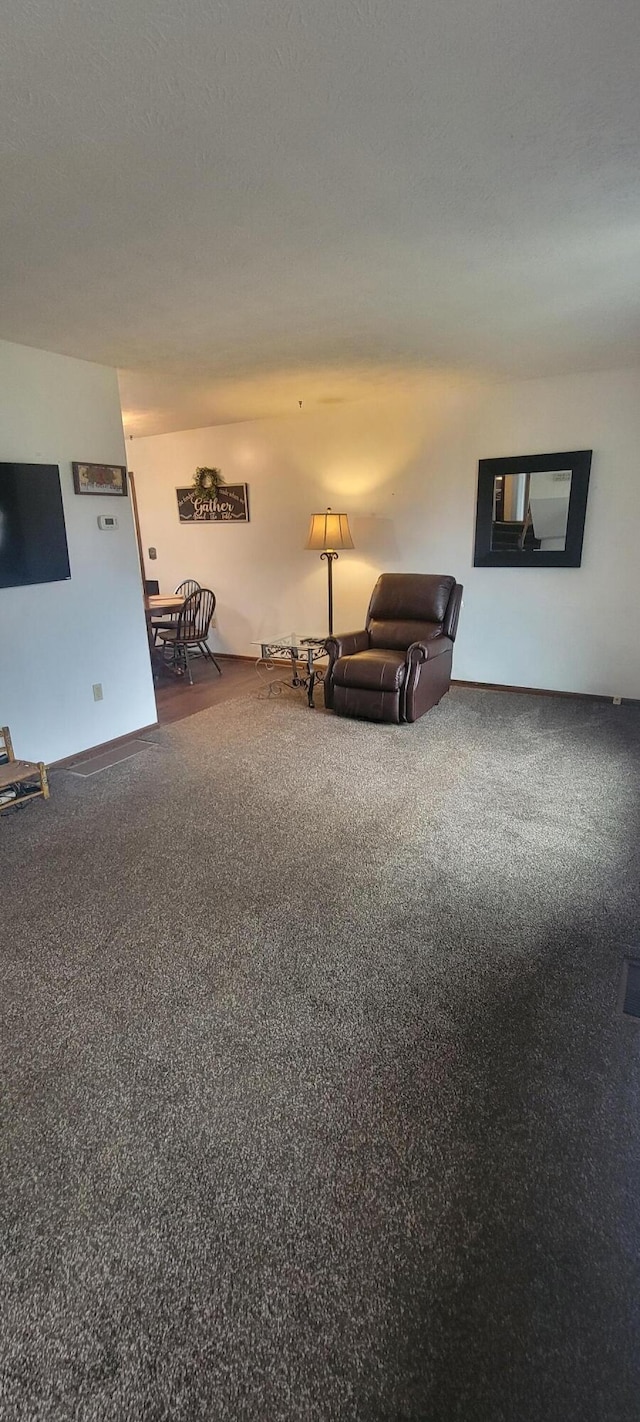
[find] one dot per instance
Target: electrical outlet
(97, 691)
(617, 701)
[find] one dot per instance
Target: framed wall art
(110, 479)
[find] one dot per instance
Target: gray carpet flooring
(318, 1103)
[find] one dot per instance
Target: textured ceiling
(247, 202)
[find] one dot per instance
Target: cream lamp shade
(328, 531)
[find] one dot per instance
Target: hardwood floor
(176, 699)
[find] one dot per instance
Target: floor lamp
(328, 532)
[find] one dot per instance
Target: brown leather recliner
(400, 665)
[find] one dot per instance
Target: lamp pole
(330, 555)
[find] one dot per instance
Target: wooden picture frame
(573, 467)
(105, 480)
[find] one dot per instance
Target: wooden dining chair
(184, 589)
(190, 631)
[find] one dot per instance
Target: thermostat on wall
(107, 521)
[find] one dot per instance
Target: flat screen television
(33, 539)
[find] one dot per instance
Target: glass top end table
(303, 653)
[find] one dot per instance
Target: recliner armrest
(426, 651)
(347, 645)
(450, 624)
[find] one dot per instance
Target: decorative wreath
(207, 482)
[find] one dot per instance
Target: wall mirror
(531, 510)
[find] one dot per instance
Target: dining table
(159, 603)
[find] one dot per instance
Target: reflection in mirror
(530, 512)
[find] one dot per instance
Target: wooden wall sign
(231, 505)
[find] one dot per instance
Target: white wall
(57, 639)
(405, 470)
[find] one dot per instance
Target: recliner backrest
(407, 607)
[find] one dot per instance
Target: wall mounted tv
(33, 539)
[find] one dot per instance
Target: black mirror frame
(579, 462)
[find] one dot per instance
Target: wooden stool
(19, 772)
